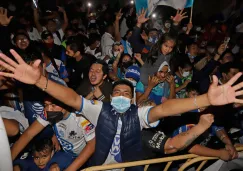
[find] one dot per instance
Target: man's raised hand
(20, 70)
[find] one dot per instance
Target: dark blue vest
(130, 137)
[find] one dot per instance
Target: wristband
(102, 97)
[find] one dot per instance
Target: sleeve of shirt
(42, 121)
(140, 87)
(63, 71)
(91, 109)
(61, 33)
(61, 158)
(88, 128)
(143, 114)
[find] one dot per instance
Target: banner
(152, 4)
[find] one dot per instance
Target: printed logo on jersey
(38, 109)
(115, 148)
(61, 129)
(94, 102)
(67, 146)
(84, 123)
(73, 135)
(89, 128)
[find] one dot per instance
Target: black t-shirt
(31, 92)
(153, 141)
(85, 88)
(79, 69)
(56, 51)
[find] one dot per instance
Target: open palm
(4, 19)
(226, 93)
(141, 17)
(20, 71)
(179, 16)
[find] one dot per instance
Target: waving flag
(152, 4)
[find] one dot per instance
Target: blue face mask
(120, 103)
(190, 56)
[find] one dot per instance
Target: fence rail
(191, 159)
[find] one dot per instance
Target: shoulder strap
(59, 36)
(55, 65)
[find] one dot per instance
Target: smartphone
(226, 41)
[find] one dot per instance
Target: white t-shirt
(34, 35)
(73, 133)
(92, 108)
(61, 69)
(106, 44)
(9, 113)
(57, 41)
(93, 52)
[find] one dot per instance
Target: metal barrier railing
(203, 159)
(191, 159)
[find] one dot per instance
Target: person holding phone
(161, 86)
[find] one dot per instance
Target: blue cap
(133, 72)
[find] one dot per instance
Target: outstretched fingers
(5, 74)
(17, 57)
(8, 60)
(239, 93)
(239, 101)
(8, 67)
(234, 79)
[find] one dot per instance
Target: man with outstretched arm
(118, 124)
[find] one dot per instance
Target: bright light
(153, 15)
(132, 2)
(89, 4)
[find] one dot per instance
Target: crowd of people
(81, 87)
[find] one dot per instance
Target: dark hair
(122, 56)
(225, 68)
(120, 64)
(125, 36)
(124, 82)
(192, 87)
(42, 49)
(225, 52)
(184, 62)
(153, 29)
(42, 145)
(76, 44)
(22, 34)
(105, 68)
(155, 50)
(50, 20)
(93, 37)
(45, 34)
(191, 44)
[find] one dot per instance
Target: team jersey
(73, 132)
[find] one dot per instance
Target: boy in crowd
(43, 158)
(75, 133)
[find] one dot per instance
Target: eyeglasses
(22, 40)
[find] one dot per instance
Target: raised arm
(217, 95)
(65, 22)
(152, 82)
(83, 157)
(36, 20)
(25, 138)
(32, 75)
(117, 26)
(184, 139)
